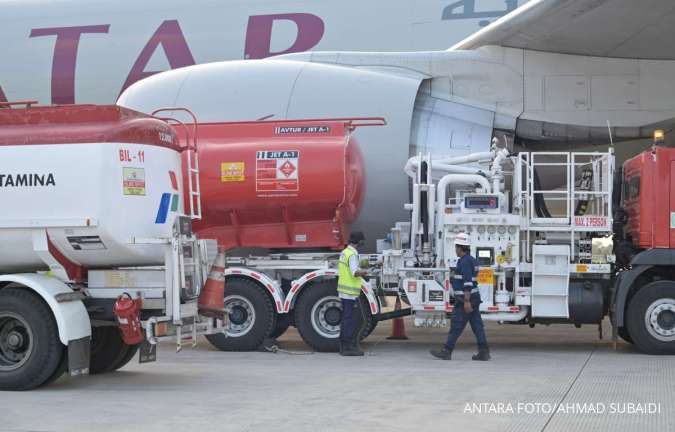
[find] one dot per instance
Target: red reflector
(429, 308)
(255, 276)
(294, 288)
(311, 275)
(514, 308)
(174, 182)
(493, 309)
(279, 306)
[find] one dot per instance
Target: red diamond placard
(287, 168)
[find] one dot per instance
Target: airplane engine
(283, 89)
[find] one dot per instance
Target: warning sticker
(277, 172)
(133, 181)
(485, 276)
(232, 172)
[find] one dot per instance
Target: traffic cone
(211, 298)
(398, 328)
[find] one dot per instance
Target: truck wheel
(131, 352)
(283, 322)
(30, 349)
(371, 323)
(60, 369)
(252, 317)
(651, 318)
(318, 312)
(108, 350)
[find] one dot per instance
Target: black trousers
(353, 321)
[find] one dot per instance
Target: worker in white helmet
(467, 301)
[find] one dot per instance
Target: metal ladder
(192, 156)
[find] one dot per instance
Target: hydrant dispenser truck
(560, 237)
(97, 254)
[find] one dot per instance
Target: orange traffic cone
(211, 298)
(398, 328)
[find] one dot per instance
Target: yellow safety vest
(347, 283)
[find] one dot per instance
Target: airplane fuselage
(75, 51)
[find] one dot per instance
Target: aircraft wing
(635, 29)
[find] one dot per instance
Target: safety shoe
(483, 354)
(444, 353)
(351, 351)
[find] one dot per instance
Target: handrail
(9, 104)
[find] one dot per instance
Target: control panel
(495, 239)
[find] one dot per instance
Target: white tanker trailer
(92, 200)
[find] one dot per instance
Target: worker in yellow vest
(349, 289)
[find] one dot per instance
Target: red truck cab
(648, 198)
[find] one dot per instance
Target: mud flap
(147, 352)
(79, 351)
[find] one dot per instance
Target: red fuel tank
(280, 184)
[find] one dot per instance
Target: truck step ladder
(194, 188)
(550, 281)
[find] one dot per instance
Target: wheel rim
(241, 315)
(326, 316)
(16, 341)
(660, 319)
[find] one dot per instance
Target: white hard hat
(462, 239)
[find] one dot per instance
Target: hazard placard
(277, 171)
(133, 181)
(232, 172)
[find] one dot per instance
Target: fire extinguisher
(128, 313)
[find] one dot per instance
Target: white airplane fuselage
(78, 51)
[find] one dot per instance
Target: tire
(108, 350)
(651, 318)
(60, 370)
(371, 324)
(623, 334)
(30, 349)
(252, 317)
(131, 352)
(283, 322)
(318, 314)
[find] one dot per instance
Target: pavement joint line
(567, 392)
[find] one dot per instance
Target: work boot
(483, 354)
(444, 353)
(351, 351)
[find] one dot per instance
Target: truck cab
(643, 295)
(648, 198)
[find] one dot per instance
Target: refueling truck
(561, 237)
(98, 259)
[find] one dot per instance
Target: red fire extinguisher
(128, 313)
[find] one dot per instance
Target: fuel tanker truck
(98, 258)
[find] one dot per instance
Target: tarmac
(555, 378)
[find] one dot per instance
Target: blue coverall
(465, 278)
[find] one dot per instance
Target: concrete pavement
(555, 378)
